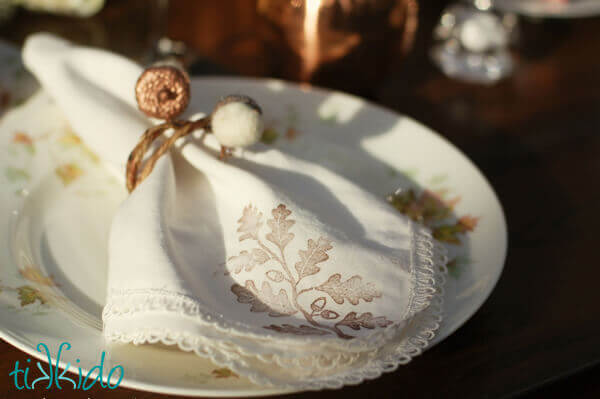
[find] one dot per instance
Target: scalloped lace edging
(386, 359)
(428, 257)
(426, 316)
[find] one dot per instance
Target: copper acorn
(163, 91)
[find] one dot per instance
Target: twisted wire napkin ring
(163, 91)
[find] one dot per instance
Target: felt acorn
(163, 92)
(236, 121)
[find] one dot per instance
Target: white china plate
(550, 8)
(56, 202)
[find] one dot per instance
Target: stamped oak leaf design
(247, 260)
(315, 253)
(310, 260)
(352, 289)
(280, 226)
(250, 223)
(365, 320)
(264, 300)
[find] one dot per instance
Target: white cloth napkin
(264, 260)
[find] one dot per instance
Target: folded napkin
(263, 260)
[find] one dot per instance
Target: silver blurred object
(472, 42)
(550, 8)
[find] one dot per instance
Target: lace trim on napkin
(428, 258)
(412, 341)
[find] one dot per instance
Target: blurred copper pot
(347, 44)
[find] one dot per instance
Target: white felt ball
(237, 124)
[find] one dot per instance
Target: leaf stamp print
(352, 289)
(264, 300)
(280, 226)
(365, 320)
(250, 223)
(276, 276)
(310, 262)
(315, 254)
(247, 260)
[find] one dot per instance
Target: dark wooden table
(536, 136)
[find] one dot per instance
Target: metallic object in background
(333, 42)
(550, 8)
(472, 42)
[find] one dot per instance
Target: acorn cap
(240, 98)
(163, 91)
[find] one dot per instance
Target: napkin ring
(163, 92)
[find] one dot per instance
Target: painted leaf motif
(250, 223)
(16, 174)
(468, 223)
(352, 289)
(329, 314)
(264, 300)
(313, 255)
(365, 320)
(69, 139)
(68, 173)
(301, 330)
(433, 207)
(223, 373)
(448, 233)
(35, 276)
(22, 138)
(318, 304)
(275, 275)
(280, 226)
(28, 295)
(25, 140)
